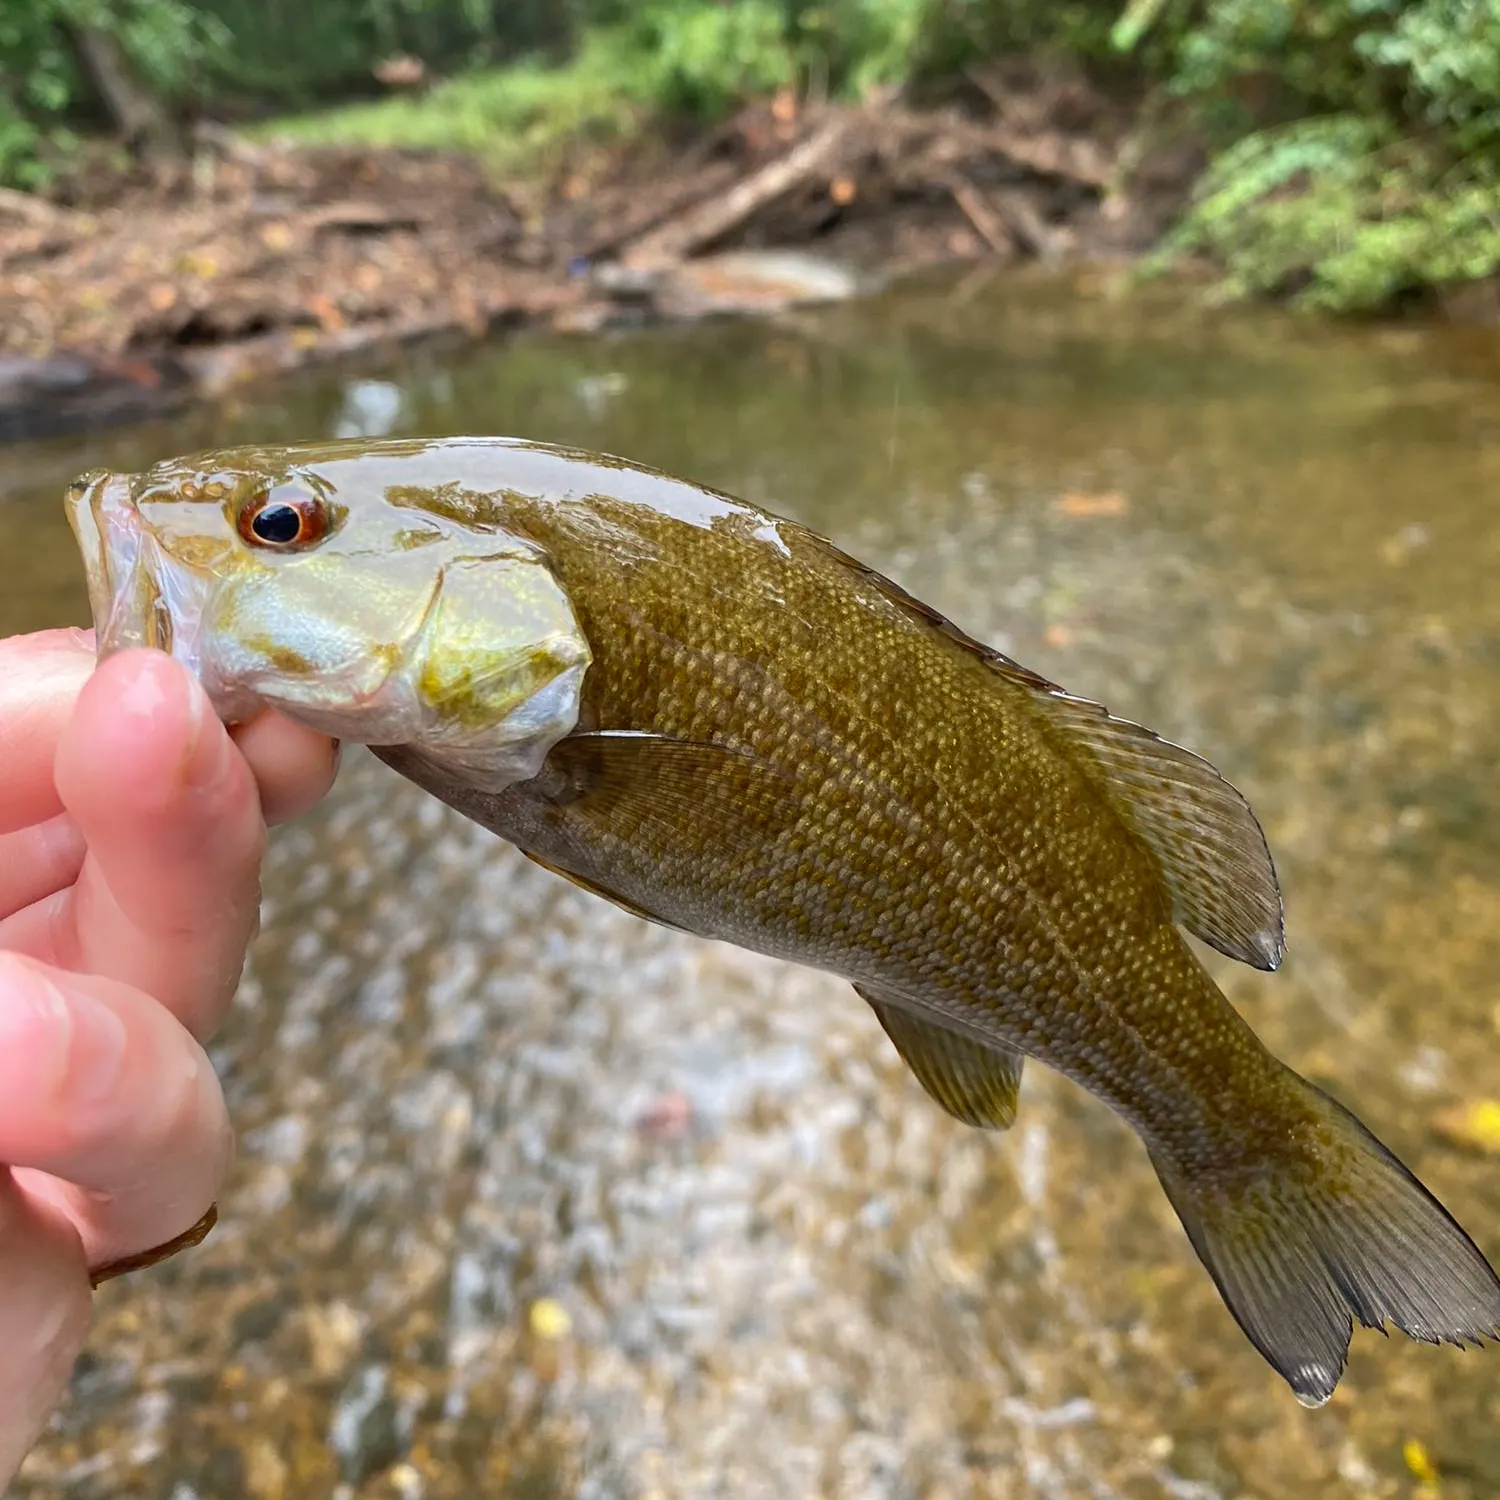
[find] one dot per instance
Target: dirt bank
(143, 291)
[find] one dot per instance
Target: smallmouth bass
(717, 720)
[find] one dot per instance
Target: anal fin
(976, 1082)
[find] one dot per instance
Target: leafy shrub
(1385, 179)
(41, 92)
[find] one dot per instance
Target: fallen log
(679, 237)
(989, 224)
(65, 392)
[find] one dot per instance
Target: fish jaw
(137, 596)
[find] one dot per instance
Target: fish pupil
(277, 524)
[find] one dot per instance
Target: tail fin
(1342, 1230)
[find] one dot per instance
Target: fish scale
(938, 815)
(716, 719)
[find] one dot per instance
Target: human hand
(132, 826)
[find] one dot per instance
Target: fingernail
(208, 742)
(146, 688)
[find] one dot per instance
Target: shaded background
(536, 1199)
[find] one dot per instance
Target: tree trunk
(141, 120)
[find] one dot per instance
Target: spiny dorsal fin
(1200, 831)
(975, 1084)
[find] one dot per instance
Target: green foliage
(1450, 50)
(691, 58)
(299, 53)
(510, 117)
(1358, 141)
(1342, 216)
(702, 57)
(1381, 176)
(41, 90)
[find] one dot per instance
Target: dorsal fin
(1200, 831)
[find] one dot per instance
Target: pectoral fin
(975, 1082)
(603, 892)
(650, 788)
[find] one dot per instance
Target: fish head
(307, 581)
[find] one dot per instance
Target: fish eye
(285, 517)
(277, 524)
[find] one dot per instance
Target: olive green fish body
(902, 818)
(714, 718)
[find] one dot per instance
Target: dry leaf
(1474, 1126)
(667, 1117)
(1100, 503)
(549, 1319)
(199, 263)
(401, 71)
(1419, 1461)
(326, 311)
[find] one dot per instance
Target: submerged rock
(55, 393)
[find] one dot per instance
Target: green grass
(667, 60)
(513, 119)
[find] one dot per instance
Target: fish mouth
(134, 599)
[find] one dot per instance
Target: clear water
(465, 1087)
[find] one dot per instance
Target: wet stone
(365, 1432)
(259, 1320)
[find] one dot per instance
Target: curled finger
(38, 861)
(44, 1313)
(293, 766)
(109, 1110)
(40, 679)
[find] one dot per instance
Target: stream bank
(150, 289)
